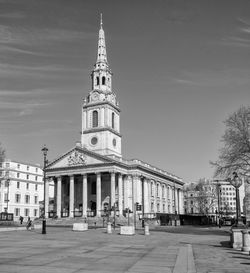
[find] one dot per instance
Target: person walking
(21, 220)
(29, 222)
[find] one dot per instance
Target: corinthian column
(120, 193)
(98, 195)
(84, 195)
(71, 196)
(112, 181)
(59, 197)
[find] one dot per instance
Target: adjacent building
(93, 176)
(21, 189)
(217, 197)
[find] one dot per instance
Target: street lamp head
(45, 150)
(236, 181)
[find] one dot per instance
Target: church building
(93, 176)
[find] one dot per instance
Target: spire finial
(101, 20)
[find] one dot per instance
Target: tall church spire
(101, 75)
(101, 53)
(100, 111)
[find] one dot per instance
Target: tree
(2, 157)
(206, 196)
(234, 156)
(2, 154)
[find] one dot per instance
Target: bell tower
(100, 111)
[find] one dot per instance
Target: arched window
(103, 80)
(97, 81)
(113, 120)
(95, 119)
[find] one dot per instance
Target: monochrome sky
(180, 68)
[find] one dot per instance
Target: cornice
(99, 103)
(94, 130)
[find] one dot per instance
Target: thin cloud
(13, 15)
(241, 37)
(235, 41)
(216, 78)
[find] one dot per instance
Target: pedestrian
(220, 222)
(21, 219)
(29, 222)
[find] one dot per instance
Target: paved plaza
(168, 249)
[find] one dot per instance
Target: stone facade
(21, 189)
(93, 176)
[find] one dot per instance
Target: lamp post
(45, 151)
(218, 220)
(8, 192)
(236, 182)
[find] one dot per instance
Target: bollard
(146, 229)
(236, 238)
(245, 240)
(109, 229)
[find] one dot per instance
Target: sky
(180, 68)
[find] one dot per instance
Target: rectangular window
(36, 187)
(27, 199)
(18, 175)
(36, 199)
(28, 176)
(35, 212)
(7, 183)
(26, 212)
(36, 170)
(18, 185)
(152, 206)
(7, 165)
(18, 166)
(6, 197)
(17, 212)
(18, 198)
(28, 168)
(27, 186)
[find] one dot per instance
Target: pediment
(77, 157)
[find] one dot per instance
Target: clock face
(95, 96)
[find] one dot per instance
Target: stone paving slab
(62, 250)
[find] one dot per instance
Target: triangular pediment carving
(78, 157)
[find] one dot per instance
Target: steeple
(100, 111)
(101, 52)
(101, 75)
